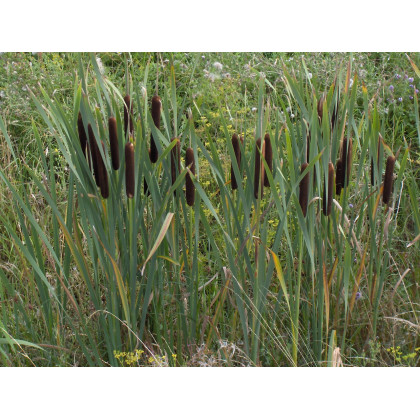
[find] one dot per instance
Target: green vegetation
(280, 271)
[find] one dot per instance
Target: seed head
(327, 201)
(175, 161)
(129, 169)
(156, 110)
(389, 179)
(113, 141)
(339, 177)
(304, 190)
(268, 158)
(346, 157)
(94, 152)
(257, 186)
(320, 107)
(237, 150)
(189, 184)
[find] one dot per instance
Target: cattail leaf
(159, 239)
(279, 272)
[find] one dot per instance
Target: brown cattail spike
(94, 150)
(156, 109)
(82, 134)
(113, 141)
(346, 158)
(389, 179)
(304, 190)
(128, 114)
(268, 155)
(339, 177)
(175, 161)
(103, 175)
(237, 150)
(257, 186)
(129, 169)
(189, 184)
(320, 107)
(327, 200)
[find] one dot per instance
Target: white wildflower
(218, 66)
(254, 109)
(309, 76)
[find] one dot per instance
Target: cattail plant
(334, 116)
(257, 186)
(129, 169)
(189, 184)
(304, 190)
(237, 150)
(320, 107)
(346, 157)
(327, 200)
(339, 184)
(268, 155)
(113, 141)
(103, 175)
(389, 179)
(82, 134)
(175, 161)
(128, 114)
(156, 109)
(372, 170)
(145, 186)
(308, 143)
(94, 152)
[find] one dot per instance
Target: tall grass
(254, 259)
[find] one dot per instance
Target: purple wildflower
(391, 88)
(358, 295)
(411, 79)
(405, 76)
(417, 91)
(350, 205)
(411, 98)
(400, 99)
(411, 86)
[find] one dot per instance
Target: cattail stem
(389, 179)
(237, 150)
(304, 190)
(189, 184)
(113, 141)
(156, 110)
(327, 199)
(129, 169)
(128, 115)
(257, 186)
(268, 155)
